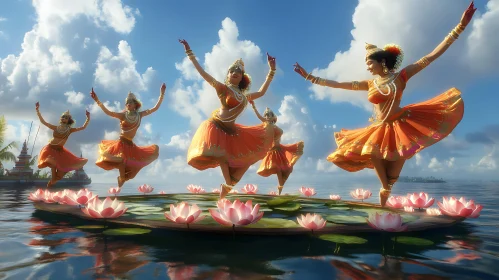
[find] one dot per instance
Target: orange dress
(401, 133)
(114, 153)
(280, 157)
(221, 139)
(54, 155)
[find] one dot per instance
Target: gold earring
(385, 69)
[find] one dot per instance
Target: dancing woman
(54, 155)
(396, 134)
(281, 158)
(123, 154)
(219, 141)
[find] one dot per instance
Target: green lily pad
(408, 240)
(274, 223)
(276, 201)
(91, 227)
(291, 207)
(153, 217)
(342, 239)
(341, 208)
(126, 231)
(407, 218)
(145, 210)
(373, 211)
(342, 219)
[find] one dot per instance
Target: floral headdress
(132, 96)
(391, 48)
(70, 118)
(239, 64)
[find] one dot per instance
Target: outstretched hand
(252, 102)
(186, 45)
(37, 105)
(468, 14)
(162, 89)
(300, 70)
(87, 113)
(93, 95)
(271, 61)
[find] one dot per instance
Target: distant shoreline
(407, 179)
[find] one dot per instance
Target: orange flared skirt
(55, 156)
(113, 153)
(240, 146)
(283, 158)
(402, 135)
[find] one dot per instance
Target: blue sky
(54, 52)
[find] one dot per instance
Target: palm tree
(5, 153)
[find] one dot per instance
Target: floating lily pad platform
(280, 213)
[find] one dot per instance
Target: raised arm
(51, 126)
(87, 113)
(257, 113)
(156, 107)
(355, 85)
(207, 77)
(263, 89)
(104, 109)
(419, 65)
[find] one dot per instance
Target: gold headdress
(66, 114)
(370, 49)
(131, 96)
(238, 64)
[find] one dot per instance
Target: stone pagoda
(22, 168)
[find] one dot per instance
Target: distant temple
(22, 168)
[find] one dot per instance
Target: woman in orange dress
(219, 141)
(281, 158)
(123, 154)
(54, 155)
(396, 134)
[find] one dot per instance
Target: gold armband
(423, 62)
(355, 85)
(308, 75)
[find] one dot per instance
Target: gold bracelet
(455, 34)
(449, 40)
(423, 62)
(306, 78)
(355, 85)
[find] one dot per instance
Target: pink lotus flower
(48, 197)
(233, 191)
(182, 213)
(273, 193)
(215, 191)
(161, 192)
(386, 222)
(145, 188)
(307, 191)
(460, 208)
(311, 221)
(236, 213)
(59, 196)
(82, 197)
(335, 197)
(106, 209)
(397, 202)
(37, 196)
(250, 189)
(361, 194)
(433, 212)
(115, 190)
(195, 189)
(420, 200)
(408, 209)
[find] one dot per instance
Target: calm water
(38, 246)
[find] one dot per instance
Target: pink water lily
(60, 196)
(250, 189)
(307, 191)
(334, 197)
(145, 188)
(82, 197)
(397, 202)
(361, 194)
(233, 191)
(161, 192)
(182, 213)
(48, 197)
(195, 189)
(236, 213)
(115, 190)
(408, 209)
(215, 191)
(386, 222)
(311, 221)
(273, 193)
(104, 209)
(459, 208)
(433, 212)
(420, 200)
(38, 195)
